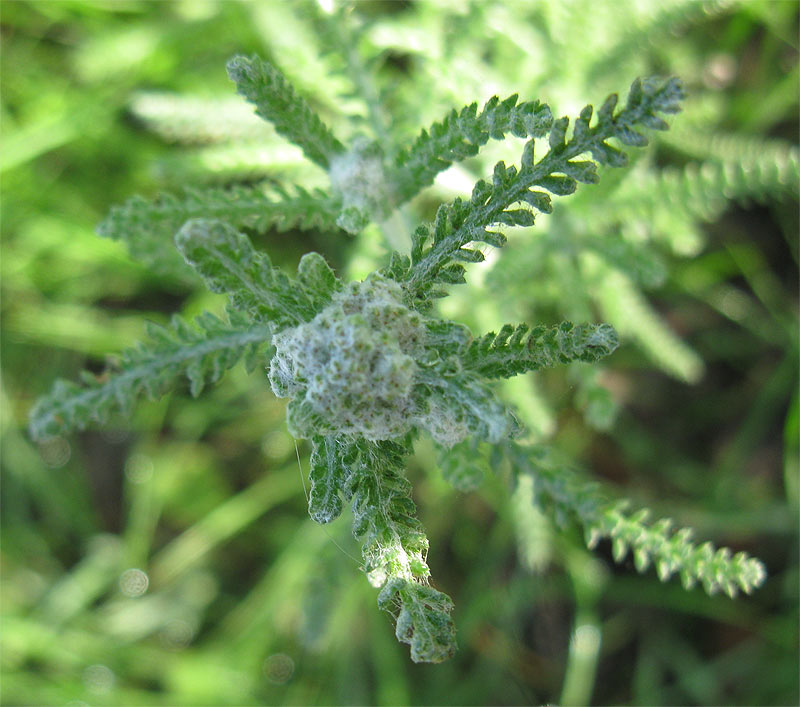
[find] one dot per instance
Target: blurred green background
(169, 559)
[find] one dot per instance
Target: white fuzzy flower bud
(352, 365)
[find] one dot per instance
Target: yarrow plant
(369, 366)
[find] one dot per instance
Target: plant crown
(367, 366)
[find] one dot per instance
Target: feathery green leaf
(462, 222)
(461, 135)
(623, 304)
(423, 619)
(455, 404)
(332, 461)
(395, 550)
(516, 350)
(464, 465)
(148, 227)
(227, 262)
(202, 354)
(198, 120)
(560, 492)
(275, 100)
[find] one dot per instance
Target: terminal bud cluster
(358, 179)
(351, 369)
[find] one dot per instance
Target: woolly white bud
(353, 364)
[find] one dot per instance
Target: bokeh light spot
(138, 468)
(279, 668)
(277, 445)
(55, 452)
(177, 634)
(99, 678)
(133, 582)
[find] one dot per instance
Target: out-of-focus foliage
(171, 560)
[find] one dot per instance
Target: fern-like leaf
(516, 350)
(464, 465)
(395, 550)
(668, 204)
(558, 172)
(461, 135)
(202, 354)
(196, 120)
(640, 260)
(624, 305)
(148, 227)
(276, 101)
(561, 493)
(332, 462)
(454, 405)
(672, 552)
(227, 262)
(649, 24)
(706, 188)
(732, 148)
(422, 619)
(234, 163)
